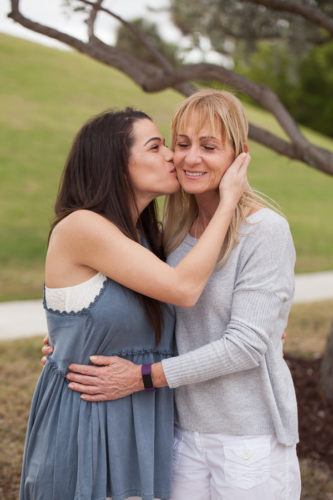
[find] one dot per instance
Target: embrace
(165, 376)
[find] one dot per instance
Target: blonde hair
(226, 116)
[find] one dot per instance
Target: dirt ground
(315, 413)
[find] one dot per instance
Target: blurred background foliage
(47, 94)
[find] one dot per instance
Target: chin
(194, 189)
(174, 190)
(171, 189)
(197, 190)
(193, 186)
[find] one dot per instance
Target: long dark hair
(96, 178)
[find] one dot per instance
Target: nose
(168, 154)
(192, 156)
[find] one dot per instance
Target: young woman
(236, 413)
(105, 277)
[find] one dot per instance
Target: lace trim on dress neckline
(74, 299)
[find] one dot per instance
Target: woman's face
(201, 158)
(151, 167)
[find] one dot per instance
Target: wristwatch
(146, 377)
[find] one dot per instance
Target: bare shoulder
(83, 222)
(82, 217)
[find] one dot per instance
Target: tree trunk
(326, 369)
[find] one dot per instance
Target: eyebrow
(153, 139)
(202, 137)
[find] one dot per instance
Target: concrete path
(26, 318)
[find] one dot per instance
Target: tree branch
(312, 14)
(96, 6)
(138, 35)
(153, 78)
(185, 88)
(137, 70)
(258, 92)
(312, 155)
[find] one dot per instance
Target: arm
(261, 300)
(92, 241)
(259, 294)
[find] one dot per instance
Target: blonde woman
(236, 413)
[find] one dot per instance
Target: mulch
(315, 412)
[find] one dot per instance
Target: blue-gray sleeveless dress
(77, 450)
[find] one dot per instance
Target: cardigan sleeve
(263, 289)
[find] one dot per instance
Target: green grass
(46, 96)
(20, 367)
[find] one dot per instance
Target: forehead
(144, 130)
(200, 124)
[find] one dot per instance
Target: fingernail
(71, 386)
(93, 357)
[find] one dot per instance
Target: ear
(246, 147)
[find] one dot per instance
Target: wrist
(158, 376)
(139, 382)
(227, 207)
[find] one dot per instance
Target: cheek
(223, 166)
(178, 158)
(218, 173)
(141, 176)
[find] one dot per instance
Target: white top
(74, 298)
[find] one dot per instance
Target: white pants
(219, 467)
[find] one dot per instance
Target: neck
(138, 207)
(135, 214)
(207, 205)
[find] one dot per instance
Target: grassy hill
(46, 96)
